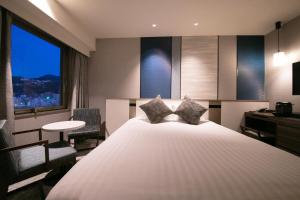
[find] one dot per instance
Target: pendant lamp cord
(278, 27)
(278, 39)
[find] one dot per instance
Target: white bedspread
(175, 161)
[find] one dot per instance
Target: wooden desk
(285, 129)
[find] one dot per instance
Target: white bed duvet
(174, 160)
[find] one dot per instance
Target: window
(36, 70)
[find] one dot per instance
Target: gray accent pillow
(156, 110)
(190, 111)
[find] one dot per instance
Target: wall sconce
(279, 58)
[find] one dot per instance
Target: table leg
(61, 136)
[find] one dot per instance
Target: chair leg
(97, 142)
(41, 190)
(73, 162)
(75, 143)
(3, 191)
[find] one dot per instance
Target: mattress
(174, 160)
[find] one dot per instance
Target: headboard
(172, 104)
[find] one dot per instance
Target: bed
(175, 160)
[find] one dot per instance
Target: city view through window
(35, 70)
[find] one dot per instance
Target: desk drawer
(288, 138)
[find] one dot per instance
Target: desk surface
(288, 121)
(63, 126)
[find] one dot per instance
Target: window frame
(16, 20)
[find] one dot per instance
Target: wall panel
(176, 67)
(232, 112)
(114, 71)
(199, 67)
(156, 67)
(117, 113)
(227, 68)
(251, 68)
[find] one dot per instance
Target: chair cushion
(35, 156)
(9, 161)
(87, 131)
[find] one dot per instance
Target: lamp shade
(279, 59)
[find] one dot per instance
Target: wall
(250, 68)
(34, 123)
(114, 71)
(278, 85)
(156, 67)
(176, 68)
(117, 114)
(227, 68)
(61, 25)
(232, 112)
(199, 67)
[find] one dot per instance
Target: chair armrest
(30, 131)
(42, 142)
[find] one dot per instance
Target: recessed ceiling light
(154, 25)
(196, 24)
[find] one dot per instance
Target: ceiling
(134, 18)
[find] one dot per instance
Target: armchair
(93, 128)
(18, 163)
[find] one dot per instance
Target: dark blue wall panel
(251, 68)
(156, 67)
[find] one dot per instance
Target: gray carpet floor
(31, 192)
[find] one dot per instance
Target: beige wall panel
(117, 113)
(227, 67)
(199, 67)
(114, 71)
(232, 112)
